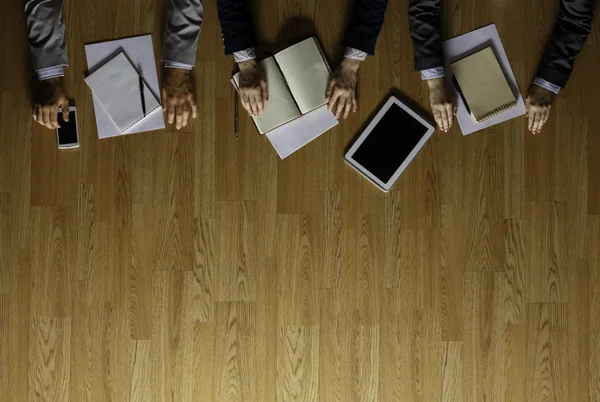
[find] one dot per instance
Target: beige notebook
(482, 85)
(297, 77)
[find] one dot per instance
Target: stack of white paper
(138, 54)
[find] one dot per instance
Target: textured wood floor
(188, 266)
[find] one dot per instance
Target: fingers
(253, 106)
(171, 112)
(178, 116)
(65, 110)
(530, 120)
(40, 115)
(347, 108)
(265, 91)
(354, 104)
(259, 102)
(340, 107)
(192, 100)
(444, 117)
(437, 115)
(163, 95)
(54, 117)
(329, 91)
(332, 101)
(449, 115)
(186, 114)
(35, 112)
(46, 117)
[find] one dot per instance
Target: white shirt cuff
(352, 53)
(432, 73)
(244, 55)
(51, 72)
(176, 64)
(548, 85)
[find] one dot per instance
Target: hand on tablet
(254, 90)
(51, 96)
(178, 97)
(537, 107)
(442, 103)
(341, 92)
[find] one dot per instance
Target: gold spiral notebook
(482, 85)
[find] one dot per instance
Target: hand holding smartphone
(67, 134)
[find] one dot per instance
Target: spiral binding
(496, 112)
(140, 119)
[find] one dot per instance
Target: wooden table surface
(191, 266)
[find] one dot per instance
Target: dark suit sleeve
(365, 25)
(236, 25)
(572, 28)
(424, 24)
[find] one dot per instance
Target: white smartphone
(67, 135)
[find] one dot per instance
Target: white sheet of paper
(292, 136)
(117, 86)
(463, 45)
(140, 51)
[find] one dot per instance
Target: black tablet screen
(389, 143)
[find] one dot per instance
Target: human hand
(178, 97)
(51, 97)
(342, 88)
(442, 103)
(537, 107)
(254, 90)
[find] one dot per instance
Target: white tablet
(389, 143)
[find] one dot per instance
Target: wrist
(247, 64)
(435, 83)
(350, 64)
(177, 72)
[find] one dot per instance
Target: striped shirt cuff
(548, 85)
(244, 55)
(176, 64)
(432, 73)
(352, 53)
(51, 72)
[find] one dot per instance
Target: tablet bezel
(385, 186)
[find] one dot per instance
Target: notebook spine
(140, 119)
(496, 112)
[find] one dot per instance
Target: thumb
(65, 109)
(265, 90)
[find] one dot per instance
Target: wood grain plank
(237, 253)
(515, 271)
(298, 363)
(593, 291)
(484, 336)
(515, 368)
(49, 359)
(297, 262)
(140, 363)
(235, 367)
(452, 368)
(451, 275)
(547, 230)
(142, 268)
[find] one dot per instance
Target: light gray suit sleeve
(182, 27)
(46, 31)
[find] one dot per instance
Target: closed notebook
(297, 77)
(122, 92)
(481, 83)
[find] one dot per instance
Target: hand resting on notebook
(178, 97)
(253, 87)
(51, 96)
